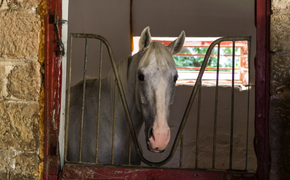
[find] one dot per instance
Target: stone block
(5, 69)
(26, 166)
(280, 4)
(25, 82)
(22, 177)
(280, 73)
(3, 176)
(3, 170)
(280, 33)
(19, 125)
(279, 115)
(19, 34)
(17, 164)
(19, 4)
(2, 82)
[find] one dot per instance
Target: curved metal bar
(190, 102)
(122, 94)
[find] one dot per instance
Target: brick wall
(20, 90)
(280, 90)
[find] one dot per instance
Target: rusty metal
(114, 121)
(181, 152)
(129, 149)
(121, 91)
(194, 91)
(216, 109)
(123, 99)
(99, 103)
(68, 101)
(197, 125)
(58, 39)
(84, 95)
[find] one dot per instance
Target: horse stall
(211, 122)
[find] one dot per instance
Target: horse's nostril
(156, 148)
(150, 132)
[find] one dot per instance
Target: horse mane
(158, 52)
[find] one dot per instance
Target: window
(190, 59)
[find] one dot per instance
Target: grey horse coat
(148, 79)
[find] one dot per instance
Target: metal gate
(83, 170)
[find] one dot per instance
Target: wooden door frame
(262, 84)
(53, 82)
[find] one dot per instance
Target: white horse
(148, 79)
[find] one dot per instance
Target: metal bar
(197, 125)
(216, 108)
(84, 95)
(208, 68)
(248, 110)
(202, 55)
(121, 91)
(114, 121)
(190, 102)
(99, 102)
(232, 106)
(193, 94)
(68, 100)
(129, 150)
(181, 152)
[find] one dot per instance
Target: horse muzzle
(156, 150)
(158, 138)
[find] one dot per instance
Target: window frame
(209, 77)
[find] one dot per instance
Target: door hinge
(59, 41)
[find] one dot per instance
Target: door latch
(58, 39)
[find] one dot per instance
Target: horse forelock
(159, 54)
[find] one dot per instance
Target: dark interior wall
(199, 18)
(108, 18)
(167, 18)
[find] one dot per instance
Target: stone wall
(279, 117)
(20, 90)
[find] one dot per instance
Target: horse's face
(155, 85)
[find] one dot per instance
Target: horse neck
(126, 71)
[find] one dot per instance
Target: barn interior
(32, 71)
(201, 19)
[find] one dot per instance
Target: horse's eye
(141, 77)
(175, 78)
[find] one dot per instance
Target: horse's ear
(176, 46)
(145, 38)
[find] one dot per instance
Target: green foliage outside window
(196, 61)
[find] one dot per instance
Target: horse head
(156, 76)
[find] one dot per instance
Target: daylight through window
(190, 59)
